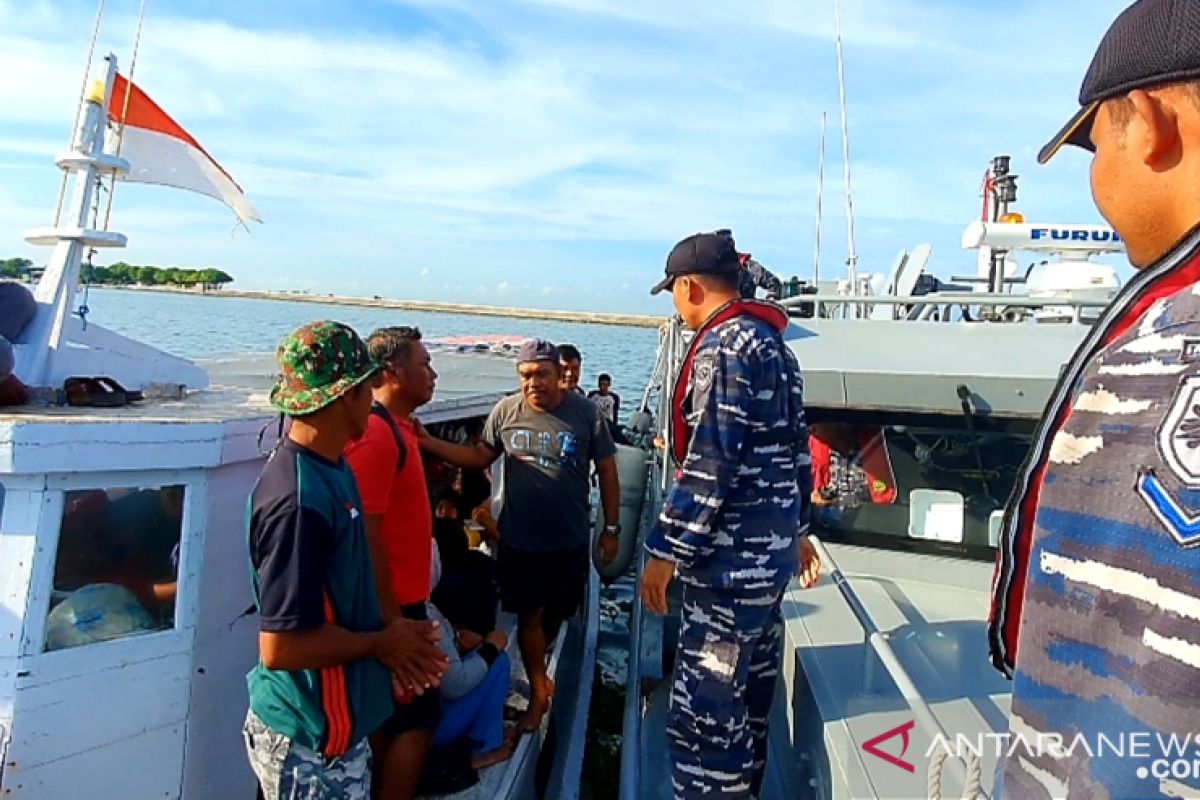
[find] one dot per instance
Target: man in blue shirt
(732, 524)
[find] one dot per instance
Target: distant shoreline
(585, 317)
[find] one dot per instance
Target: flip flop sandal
(116, 388)
(89, 392)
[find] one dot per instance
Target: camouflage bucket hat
(318, 363)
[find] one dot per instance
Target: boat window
(117, 564)
(919, 482)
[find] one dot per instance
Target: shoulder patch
(703, 371)
(1179, 433)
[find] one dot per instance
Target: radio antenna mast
(852, 253)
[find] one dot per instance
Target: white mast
(74, 235)
(852, 254)
(820, 194)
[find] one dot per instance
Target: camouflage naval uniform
(1100, 549)
(755, 276)
(730, 525)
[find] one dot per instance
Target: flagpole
(137, 43)
(87, 77)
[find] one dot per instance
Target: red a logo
(872, 745)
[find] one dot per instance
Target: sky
(548, 153)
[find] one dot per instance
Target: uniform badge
(1179, 446)
(1179, 434)
(1183, 525)
(703, 371)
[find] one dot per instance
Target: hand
(409, 648)
(656, 577)
(607, 546)
(497, 639)
(810, 563)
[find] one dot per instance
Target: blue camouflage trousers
(725, 672)
(288, 771)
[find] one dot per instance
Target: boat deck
(211, 427)
(835, 694)
(931, 611)
(571, 666)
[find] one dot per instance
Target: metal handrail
(949, 298)
(631, 722)
(657, 481)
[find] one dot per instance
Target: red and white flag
(160, 151)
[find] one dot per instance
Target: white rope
(974, 785)
(137, 43)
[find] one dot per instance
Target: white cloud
(567, 142)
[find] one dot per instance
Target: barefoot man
(548, 436)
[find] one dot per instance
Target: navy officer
(730, 526)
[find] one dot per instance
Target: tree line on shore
(122, 274)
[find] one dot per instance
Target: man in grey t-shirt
(548, 436)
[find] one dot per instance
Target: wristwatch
(612, 530)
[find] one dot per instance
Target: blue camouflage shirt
(1108, 656)
(742, 493)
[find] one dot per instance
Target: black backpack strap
(386, 416)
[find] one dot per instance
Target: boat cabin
(127, 623)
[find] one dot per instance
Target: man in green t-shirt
(322, 685)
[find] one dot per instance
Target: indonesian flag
(160, 151)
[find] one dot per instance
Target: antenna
(87, 77)
(852, 254)
(820, 192)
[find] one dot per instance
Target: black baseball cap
(1153, 42)
(700, 254)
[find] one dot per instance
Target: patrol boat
(127, 623)
(885, 687)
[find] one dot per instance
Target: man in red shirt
(399, 524)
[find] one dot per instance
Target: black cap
(536, 350)
(700, 254)
(1153, 42)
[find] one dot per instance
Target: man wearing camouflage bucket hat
(322, 685)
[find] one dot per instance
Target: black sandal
(89, 392)
(116, 388)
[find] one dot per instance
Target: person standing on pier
(548, 435)
(733, 525)
(321, 686)
(1096, 602)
